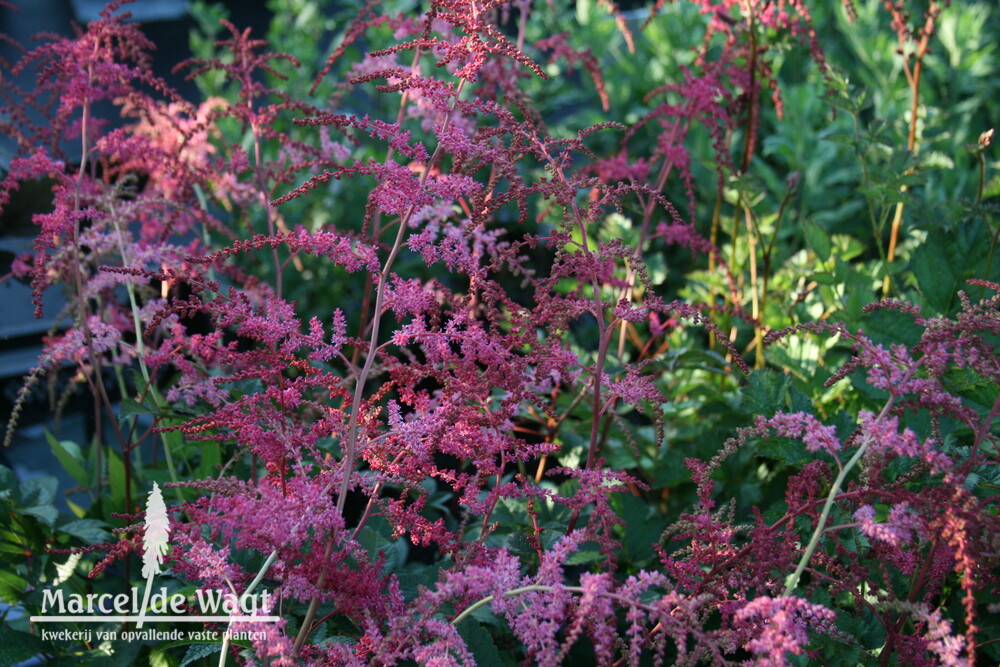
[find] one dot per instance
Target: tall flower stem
(350, 451)
(913, 77)
(749, 141)
(140, 351)
(603, 332)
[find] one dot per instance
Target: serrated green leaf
(199, 651)
(130, 408)
(937, 160)
(785, 450)
(947, 259)
(892, 327)
(479, 642)
(375, 537)
(39, 490)
(37, 495)
(47, 514)
(818, 239)
(975, 388)
(765, 392)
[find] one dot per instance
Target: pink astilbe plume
(898, 529)
(779, 627)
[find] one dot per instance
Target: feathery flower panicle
(898, 529)
(814, 435)
(779, 626)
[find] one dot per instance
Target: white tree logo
(154, 542)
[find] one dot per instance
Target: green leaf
(818, 239)
(376, 536)
(17, 647)
(944, 262)
(892, 327)
(936, 273)
(669, 471)
(116, 479)
(90, 531)
(130, 408)
(640, 526)
(825, 279)
(47, 514)
(94, 457)
(973, 387)
(211, 456)
(859, 291)
(77, 511)
(12, 548)
(480, 643)
(37, 495)
(787, 450)
(70, 457)
(937, 160)
(8, 481)
(199, 651)
(765, 392)
(160, 657)
(12, 587)
(39, 490)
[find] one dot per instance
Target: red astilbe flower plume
(127, 203)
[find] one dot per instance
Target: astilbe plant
(410, 408)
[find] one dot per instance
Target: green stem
(511, 593)
(793, 581)
(982, 177)
(253, 584)
(140, 349)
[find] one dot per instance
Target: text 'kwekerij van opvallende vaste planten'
(499, 333)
